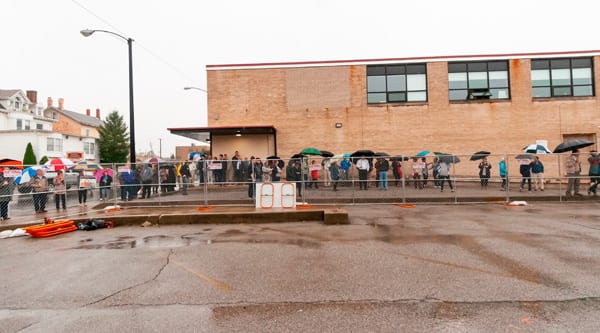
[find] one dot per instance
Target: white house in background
(75, 134)
(52, 131)
(22, 121)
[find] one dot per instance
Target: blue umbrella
(27, 174)
(423, 153)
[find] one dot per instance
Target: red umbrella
(12, 164)
(60, 163)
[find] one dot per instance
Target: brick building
(455, 104)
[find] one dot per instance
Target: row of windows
(23, 124)
(480, 80)
(56, 145)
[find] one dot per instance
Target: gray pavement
(439, 268)
(466, 191)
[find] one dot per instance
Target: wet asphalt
(431, 268)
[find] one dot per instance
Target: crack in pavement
(27, 326)
(168, 259)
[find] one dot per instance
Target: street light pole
(132, 155)
(195, 88)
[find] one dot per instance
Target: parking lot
(445, 268)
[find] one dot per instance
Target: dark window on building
(562, 77)
(396, 83)
(478, 80)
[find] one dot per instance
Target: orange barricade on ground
(51, 228)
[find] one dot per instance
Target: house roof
(79, 117)
(462, 57)
(5, 94)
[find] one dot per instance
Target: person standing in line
(345, 170)
(502, 169)
(251, 178)
(435, 172)
(200, 169)
(425, 170)
(326, 163)
(60, 190)
(417, 167)
(484, 172)
(573, 169)
(236, 163)
(185, 176)
(267, 169)
(146, 178)
(105, 183)
(127, 180)
(594, 172)
(384, 167)
(226, 169)
(276, 170)
(444, 174)
(537, 170)
(6, 191)
(294, 174)
(39, 185)
(396, 170)
(363, 171)
(314, 174)
(525, 170)
(334, 172)
(82, 189)
(155, 183)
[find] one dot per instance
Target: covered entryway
(248, 140)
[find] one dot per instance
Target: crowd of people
(144, 180)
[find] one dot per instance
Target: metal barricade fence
(233, 182)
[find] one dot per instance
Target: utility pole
(159, 147)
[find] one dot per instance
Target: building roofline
(405, 59)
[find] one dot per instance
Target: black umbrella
(479, 155)
(400, 158)
(524, 157)
(273, 157)
(326, 153)
(381, 154)
(447, 158)
(364, 152)
(572, 145)
(297, 156)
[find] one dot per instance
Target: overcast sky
(43, 50)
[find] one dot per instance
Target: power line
(165, 62)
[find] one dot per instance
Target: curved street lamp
(195, 88)
(87, 33)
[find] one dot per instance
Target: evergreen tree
(114, 139)
(29, 157)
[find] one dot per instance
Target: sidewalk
(230, 196)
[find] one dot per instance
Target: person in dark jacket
(185, 176)
(525, 170)
(334, 171)
(6, 191)
(250, 177)
(383, 166)
(537, 169)
(484, 172)
(105, 183)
